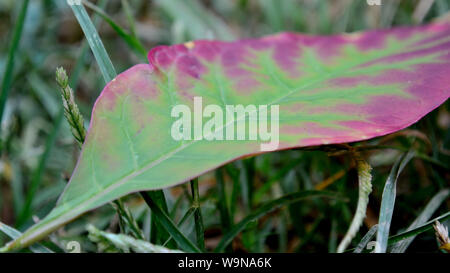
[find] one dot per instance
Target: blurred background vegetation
(38, 152)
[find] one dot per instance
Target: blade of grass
(332, 242)
(13, 234)
(388, 12)
(421, 10)
(130, 17)
(348, 13)
(273, 13)
(200, 24)
(416, 231)
(425, 227)
(222, 201)
(388, 202)
(234, 174)
(7, 77)
(96, 44)
(171, 228)
(266, 208)
(183, 220)
(127, 217)
(199, 229)
(251, 234)
(247, 181)
(282, 230)
(176, 205)
(129, 39)
(159, 232)
(323, 11)
(430, 208)
(366, 239)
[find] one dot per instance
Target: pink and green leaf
(330, 89)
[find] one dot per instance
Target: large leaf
(333, 89)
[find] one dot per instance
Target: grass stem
(199, 229)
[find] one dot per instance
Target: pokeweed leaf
(329, 89)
